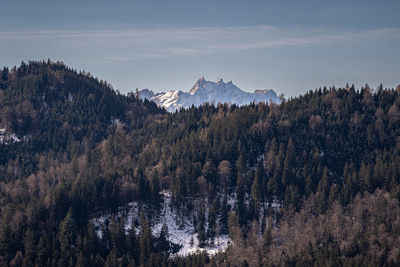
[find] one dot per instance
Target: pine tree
(240, 191)
(289, 161)
(212, 219)
(267, 236)
(42, 251)
(223, 221)
(117, 233)
(29, 245)
(274, 184)
(257, 189)
(145, 241)
(132, 242)
(201, 229)
(163, 245)
(322, 191)
(365, 178)
(67, 236)
(155, 189)
(244, 264)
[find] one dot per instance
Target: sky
(288, 46)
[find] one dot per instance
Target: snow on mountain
(146, 94)
(213, 92)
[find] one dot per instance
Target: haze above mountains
(205, 91)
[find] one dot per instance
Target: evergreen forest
(329, 157)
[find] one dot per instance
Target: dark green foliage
(201, 229)
(257, 189)
(223, 221)
(162, 244)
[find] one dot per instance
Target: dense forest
(330, 157)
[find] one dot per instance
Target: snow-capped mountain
(146, 94)
(205, 91)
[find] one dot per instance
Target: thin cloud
(277, 40)
(309, 40)
(177, 32)
(138, 44)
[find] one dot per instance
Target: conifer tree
(201, 228)
(146, 240)
(257, 189)
(67, 236)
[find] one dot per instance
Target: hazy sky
(289, 46)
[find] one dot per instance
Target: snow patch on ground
(8, 138)
(181, 230)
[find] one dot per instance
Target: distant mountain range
(205, 91)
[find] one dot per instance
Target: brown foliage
(372, 220)
(315, 122)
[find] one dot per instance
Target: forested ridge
(330, 157)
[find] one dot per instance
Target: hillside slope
(255, 173)
(45, 100)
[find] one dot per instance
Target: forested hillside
(329, 157)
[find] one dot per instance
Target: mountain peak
(199, 84)
(213, 92)
(146, 94)
(201, 80)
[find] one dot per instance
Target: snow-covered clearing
(181, 230)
